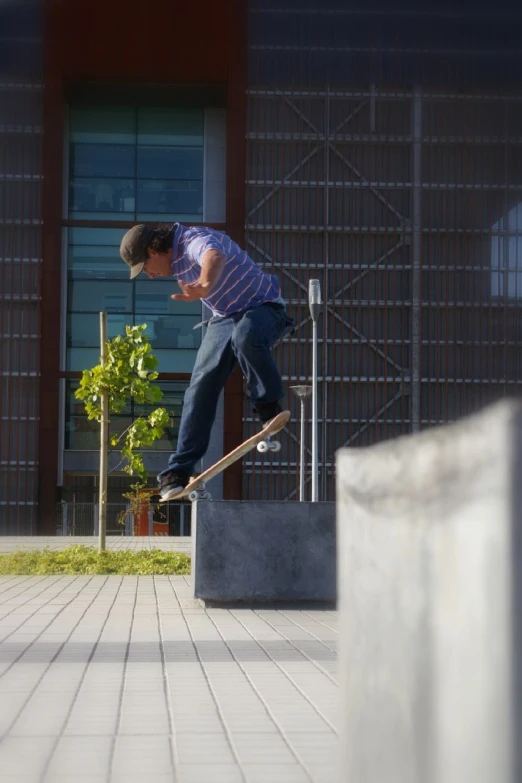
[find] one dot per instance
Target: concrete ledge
(263, 551)
(430, 593)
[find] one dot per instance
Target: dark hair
(163, 238)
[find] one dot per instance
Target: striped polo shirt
(242, 284)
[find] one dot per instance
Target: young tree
(127, 372)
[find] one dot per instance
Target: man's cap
(134, 247)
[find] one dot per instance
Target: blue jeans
(242, 338)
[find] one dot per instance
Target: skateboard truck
(267, 444)
(200, 493)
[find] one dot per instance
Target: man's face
(157, 264)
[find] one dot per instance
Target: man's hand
(192, 291)
(212, 265)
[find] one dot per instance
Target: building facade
(376, 149)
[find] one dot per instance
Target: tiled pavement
(113, 679)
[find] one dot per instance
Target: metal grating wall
(21, 101)
(384, 157)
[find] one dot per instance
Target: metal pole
(315, 470)
(314, 301)
(104, 441)
(302, 392)
(302, 454)
(326, 282)
(416, 262)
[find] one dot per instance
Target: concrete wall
(430, 588)
(263, 551)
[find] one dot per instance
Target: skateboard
(195, 489)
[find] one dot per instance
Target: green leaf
(128, 374)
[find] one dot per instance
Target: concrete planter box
(430, 597)
(263, 551)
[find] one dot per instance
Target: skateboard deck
(274, 426)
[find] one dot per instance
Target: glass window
(82, 434)
(130, 163)
(154, 296)
(166, 126)
(178, 360)
(83, 331)
(105, 197)
(98, 280)
(96, 263)
(136, 164)
(103, 160)
(170, 359)
(102, 125)
(97, 296)
(157, 198)
(95, 237)
(177, 163)
(168, 332)
(94, 254)
(506, 255)
(80, 359)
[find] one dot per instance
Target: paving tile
(226, 683)
(275, 773)
(75, 777)
(254, 748)
(143, 755)
(324, 772)
(142, 778)
(36, 778)
(18, 756)
(43, 715)
(11, 703)
(209, 773)
(195, 748)
(83, 755)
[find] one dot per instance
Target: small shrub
(86, 560)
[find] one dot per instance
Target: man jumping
(248, 317)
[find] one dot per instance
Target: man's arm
(212, 265)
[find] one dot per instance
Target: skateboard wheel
(199, 494)
(275, 446)
(263, 446)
